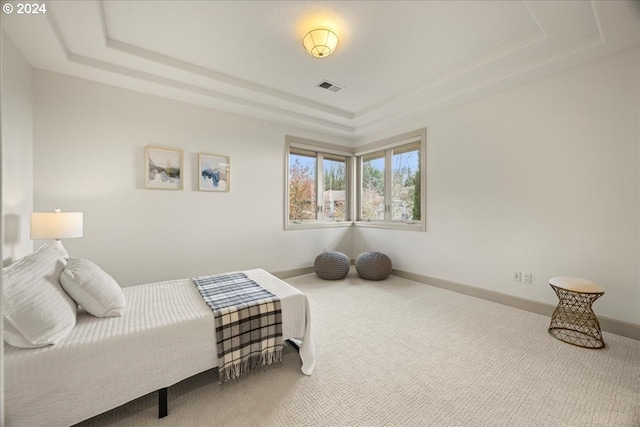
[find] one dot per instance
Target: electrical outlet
(528, 277)
(516, 276)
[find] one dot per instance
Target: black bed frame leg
(295, 343)
(163, 405)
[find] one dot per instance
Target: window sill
(290, 225)
(396, 225)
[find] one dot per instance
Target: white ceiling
(395, 58)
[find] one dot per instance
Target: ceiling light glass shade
(320, 42)
(56, 225)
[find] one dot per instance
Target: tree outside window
(317, 187)
(302, 187)
(334, 189)
(390, 182)
(372, 203)
(406, 183)
(387, 177)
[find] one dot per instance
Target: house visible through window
(388, 177)
(334, 195)
(317, 184)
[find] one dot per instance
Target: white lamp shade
(56, 225)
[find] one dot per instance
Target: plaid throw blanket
(248, 323)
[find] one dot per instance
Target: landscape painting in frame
(163, 168)
(214, 172)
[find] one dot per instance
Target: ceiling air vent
(330, 86)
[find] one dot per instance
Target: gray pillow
(92, 288)
(37, 311)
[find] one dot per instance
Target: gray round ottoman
(331, 265)
(373, 266)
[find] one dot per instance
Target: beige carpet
(399, 352)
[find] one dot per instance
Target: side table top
(576, 284)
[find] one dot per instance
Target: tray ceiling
(394, 59)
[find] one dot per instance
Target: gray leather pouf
(332, 265)
(373, 266)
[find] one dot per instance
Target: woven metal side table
(574, 321)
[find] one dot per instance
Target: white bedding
(165, 335)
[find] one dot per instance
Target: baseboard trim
(300, 271)
(292, 273)
(618, 327)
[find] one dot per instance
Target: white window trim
(419, 135)
(352, 180)
(321, 148)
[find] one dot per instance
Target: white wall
(16, 121)
(542, 178)
(88, 156)
(17, 152)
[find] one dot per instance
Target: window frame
(353, 187)
(387, 145)
(293, 144)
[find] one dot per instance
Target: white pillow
(92, 288)
(13, 337)
(37, 311)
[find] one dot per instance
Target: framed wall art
(213, 172)
(163, 168)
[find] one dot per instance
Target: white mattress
(165, 336)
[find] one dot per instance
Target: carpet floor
(398, 352)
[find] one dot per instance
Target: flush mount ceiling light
(320, 42)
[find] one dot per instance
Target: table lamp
(56, 225)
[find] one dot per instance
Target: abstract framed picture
(213, 172)
(163, 168)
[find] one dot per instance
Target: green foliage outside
(406, 189)
(335, 177)
(372, 196)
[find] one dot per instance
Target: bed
(165, 335)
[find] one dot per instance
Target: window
(390, 182)
(372, 204)
(387, 178)
(334, 195)
(405, 191)
(302, 186)
(318, 177)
